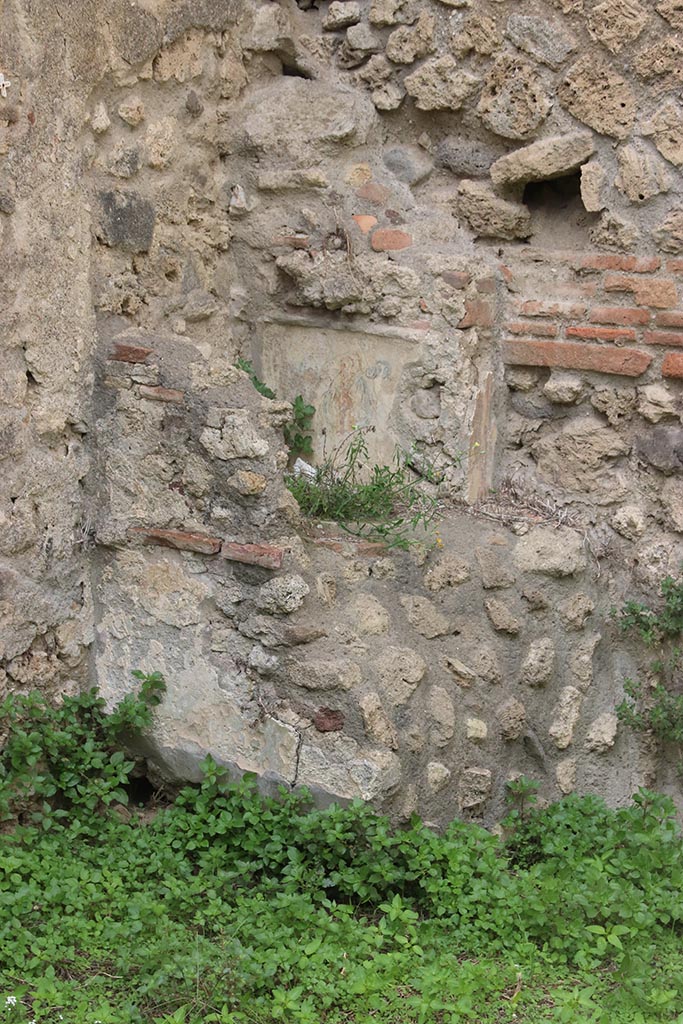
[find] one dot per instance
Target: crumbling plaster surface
(337, 192)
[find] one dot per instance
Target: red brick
(670, 319)
(373, 193)
(390, 240)
(619, 315)
(673, 365)
(674, 266)
(456, 278)
(545, 330)
(478, 313)
(370, 548)
(602, 333)
(506, 274)
(486, 286)
(659, 292)
(365, 221)
(159, 394)
(663, 338)
(178, 539)
(534, 307)
(327, 720)
(265, 555)
(292, 241)
(124, 353)
(571, 356)
(609, 261)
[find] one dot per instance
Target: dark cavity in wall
(559, 219)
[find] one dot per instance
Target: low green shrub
(378, 502)
(230, 908)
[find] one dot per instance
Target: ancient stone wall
(457, 221)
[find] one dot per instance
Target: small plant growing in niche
(378, 502)
(297, 433)
(659, 708)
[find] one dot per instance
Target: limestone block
(405, 45)
(512, 719)
(359, 43)
(593, 186)
(616, 403)
(599, 96)
(576, 609)
(641, 175)
(563, 388)
(437, 776)
(388, 96)
(662, 61)
(160, 143)
(616, 23)
(602, 733)
(580, 456)
(247, 484)
(441, 715)
(580, 661)
(378, 725)
(321, 674)
(425, 617)
(669, 234)
(341, 15)
(474, 787)
(672, 500)
(486, 665)
(502, 617)
(235, 437)
(298, 117)
(132, 111)
(672, 10)
(552, 552)
(368, 615)
(449, 571)
(393, 12)
(565, 717)
(183, 60)
(440, 85)
(565, 773)
(409, 164)
(282, 595)
(99, 119)
(666, 128)
(544, 40)
(489, 216)
(463, 675)
(400, 669)
(655, 401)
(538, 667)
(514, 101)
(494, 565)
(612, 232)
(165, 591)
(540, 161)
(476, 730)
(480, 35)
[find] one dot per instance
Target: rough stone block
(541, 161)
(551, 552)
(514, 101)
(440, 85)
(489, 216)
(600, 97)
(542, 39)
(125, 221)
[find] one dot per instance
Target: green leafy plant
(379, 502)
(226, 907)
(55, 758)
(657, 708)
(297, 436)
(297, 432)
(261, 387)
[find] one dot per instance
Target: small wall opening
(558, 216)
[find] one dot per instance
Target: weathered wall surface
(460, 221)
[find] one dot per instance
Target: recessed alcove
(558, 217)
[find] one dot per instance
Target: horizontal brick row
(575, 356)
(267, 556)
